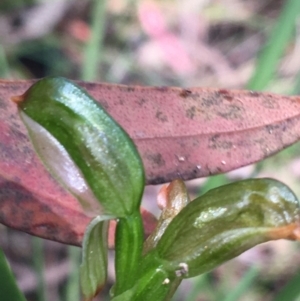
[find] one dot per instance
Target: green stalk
(38, 263)
(128, 247)
(93, 49)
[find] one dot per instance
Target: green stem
(93, 50)
(38, 262)
(128, 247)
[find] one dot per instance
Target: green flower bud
(82, 146)
(225, 222)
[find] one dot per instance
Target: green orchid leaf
(93, 269)
(8, 287)
(225, 222)
(89, 149)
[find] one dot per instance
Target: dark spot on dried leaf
(254, 94)
(141, 101)
(156, 158)
(211, 101)
(161, 116)
(185, 93)
(130, 89)
(191, 112)
(270, 103)
(217, 142)
(162, 89)
(232, 112)
(225, 94)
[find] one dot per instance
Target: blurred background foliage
(250, 44)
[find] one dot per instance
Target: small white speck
(140, 134)
(223, 162)
(184, 269)
(198, 167)
(166, 281)
(184, 266)
(181, 158)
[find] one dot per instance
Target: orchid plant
(92, 157)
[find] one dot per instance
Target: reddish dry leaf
(179, 133)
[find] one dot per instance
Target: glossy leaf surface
(227, 221)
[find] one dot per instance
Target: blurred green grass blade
(200, 284)
(296, 88)
(4, 69)
(243, 285)
(273, 49)
(72, 286)
(93, 50)
(291, 290)
(9, 290)
(213, 182)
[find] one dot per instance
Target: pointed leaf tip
(291, 232)
(18, 99)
